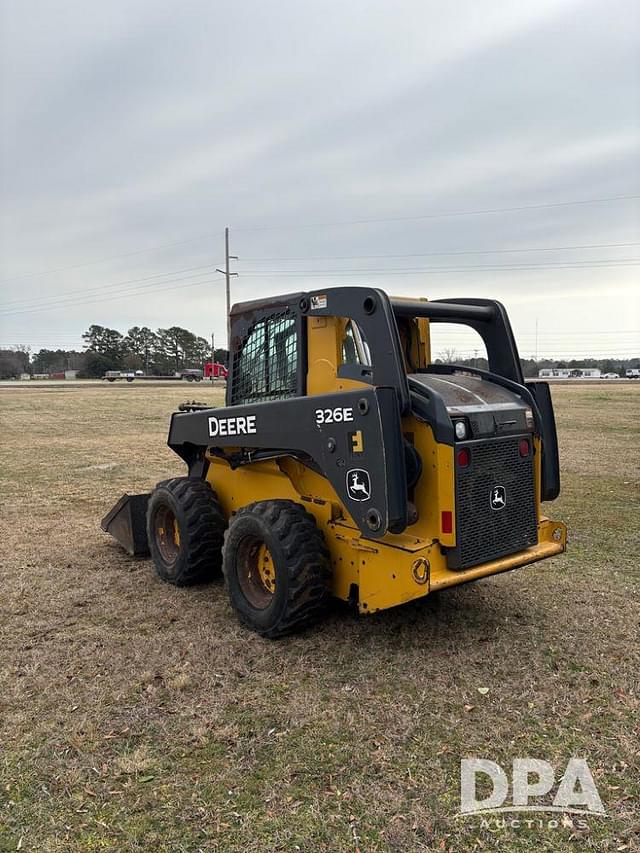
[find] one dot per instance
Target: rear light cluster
(464, 457)
(461, 429)
(463, 454)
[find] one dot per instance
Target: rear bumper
(391, 574)
(552, 540)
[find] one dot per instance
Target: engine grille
(492, 524)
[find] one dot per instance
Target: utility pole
(536, 341)
(213, 354)
(227, 274)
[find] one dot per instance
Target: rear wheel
(185, 530)
(277, 567)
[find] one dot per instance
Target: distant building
(569, 373)
(71, 374)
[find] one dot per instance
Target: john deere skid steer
(346, 463)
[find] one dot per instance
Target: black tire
(301, 568)
(185, 530)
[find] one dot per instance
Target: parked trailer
(190, 375)
(114, 375)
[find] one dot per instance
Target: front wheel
(277, 567)
(185, 530)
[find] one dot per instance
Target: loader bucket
(127, 523)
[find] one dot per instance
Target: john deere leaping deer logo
(358, 484)
(498, 498)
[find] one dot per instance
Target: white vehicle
(633, 373)
(113, 375)
(610, 376)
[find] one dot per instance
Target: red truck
(215, 370)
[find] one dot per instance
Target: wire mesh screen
(266, 367)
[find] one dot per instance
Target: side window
(355, 349)
(454, 343)
(266, 368)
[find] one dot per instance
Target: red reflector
(524, 447)
(447, 521)
(463, 457)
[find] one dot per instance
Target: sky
(435, 149)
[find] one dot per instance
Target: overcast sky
(127, 126)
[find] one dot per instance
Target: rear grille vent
(495, 503)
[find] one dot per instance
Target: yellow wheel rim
(265, 569)
(167, 533)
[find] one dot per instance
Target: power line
(589, 333)
(123, 294)
(105, 260)
(344, 222)
(448, 254)
(553, 335)
(551, 354)
(441, 215)
(79, 300)
(600, 264)
(71, 294)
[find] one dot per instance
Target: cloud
(136, 124)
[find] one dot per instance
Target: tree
(177, 347)
(13, 363)
(107, 342)
(199, 352)
(448, 355)
(97, 365)
(52, 361)
(143, 343)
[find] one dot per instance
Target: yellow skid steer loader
(347, 463)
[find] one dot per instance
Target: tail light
(464, 457)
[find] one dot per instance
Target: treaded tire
(300, 559)
(193, 504)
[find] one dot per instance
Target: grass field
(136, 716)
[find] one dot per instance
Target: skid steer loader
(347, 463)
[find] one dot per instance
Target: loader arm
(353, 438)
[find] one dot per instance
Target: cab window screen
(267, 365)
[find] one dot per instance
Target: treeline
(159, 352)
(167, 350)
(531, 366)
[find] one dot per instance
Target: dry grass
(135, 716)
